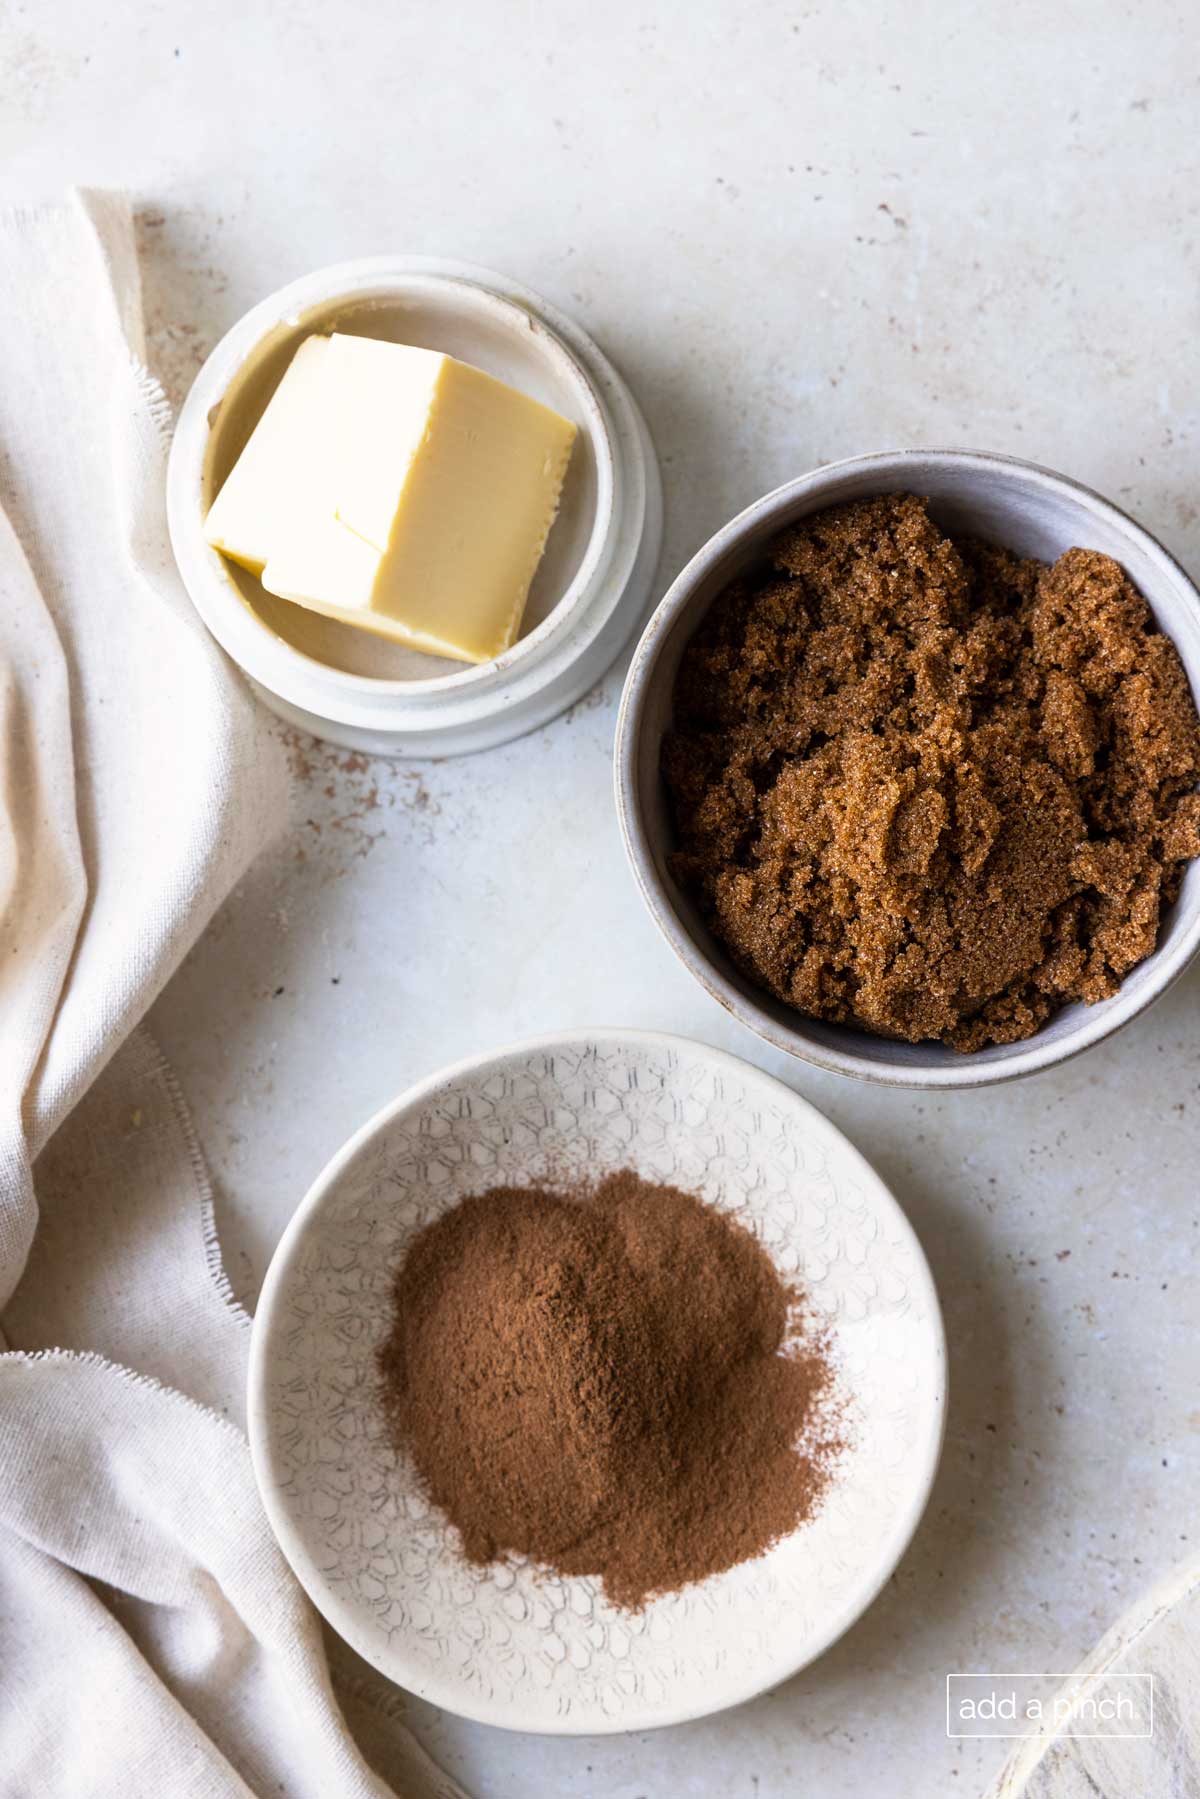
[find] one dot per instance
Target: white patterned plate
(508, 1644)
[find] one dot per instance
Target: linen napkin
(152, 1639)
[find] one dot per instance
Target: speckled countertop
(802, 232)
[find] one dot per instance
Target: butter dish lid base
(593, 587)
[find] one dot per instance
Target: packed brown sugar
(611, 1380)
(926, 787)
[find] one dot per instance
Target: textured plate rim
(343, 1618)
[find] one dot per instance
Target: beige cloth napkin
(152, 1639)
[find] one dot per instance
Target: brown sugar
(613, 1381)
(927, 788)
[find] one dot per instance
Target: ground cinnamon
(612, 1381)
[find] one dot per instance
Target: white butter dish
(592, 584)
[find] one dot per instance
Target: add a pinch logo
(1026, 1705)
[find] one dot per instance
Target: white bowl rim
(213, 592)
(342, 1617)
(1169, 959)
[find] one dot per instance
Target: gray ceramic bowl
(1030, 511)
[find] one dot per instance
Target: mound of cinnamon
(613, 1382)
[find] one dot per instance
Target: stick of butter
(282, 475)
(427, 505)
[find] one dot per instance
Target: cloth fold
(152, 1638)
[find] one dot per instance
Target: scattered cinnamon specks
(348, 801)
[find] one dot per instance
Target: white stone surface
(801, 231)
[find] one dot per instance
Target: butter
(399, 490)
(281, 476)
(323, 556)
(450, 478)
